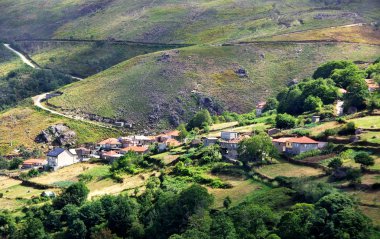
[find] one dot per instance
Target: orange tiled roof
(137, 149)
(173, 142)
(110, 153)
(303, 140)
(110, 141)
(34, 161)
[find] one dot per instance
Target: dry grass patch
(241, 188)
(6, 182)
(373, 213)
(288, 170)
(108, 186)
(322, 127)
(69, 173)
(358, 34)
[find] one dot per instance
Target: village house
(208, 141)
(315, 119)
(296, 145)
(228, 135)
(260, 107)
(109, 144)
(229, 144)
(372, 85)
(33, 163)
(60, 157)
(136, 149)
(83, 153)
(110, 155)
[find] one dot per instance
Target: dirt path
(39, 98)
(23, 58)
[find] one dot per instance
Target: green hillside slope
(194, 21)
(168, 86)
(83, 58)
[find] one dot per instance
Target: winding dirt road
(37, 100)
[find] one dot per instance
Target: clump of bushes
(311, 153)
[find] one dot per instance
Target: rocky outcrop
(57, 135)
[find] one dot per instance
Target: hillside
(20, 126)
(83, 58)
(195, 21)
(169, 86)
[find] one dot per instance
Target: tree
(75, 194)
(222, 227)
(15, 163)
(227, 202)
(335, 163)
(92, 214)
(346, 76)
(200, 120)
(350, 223)
(326, 69)
(312, 103)
(53, 220)
(357, 94)
(123, 216)
(335, 202)
(296, 223)
(77, 230)
(364, 159)
(70, 213)
(271, 104)
(183, 133)
(285, 121)
(7, 225)
(32, 229)
(258, 148)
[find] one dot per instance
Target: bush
(301, 132)
(85, 178)
(285, 121)
(348, 129)
(311, 153)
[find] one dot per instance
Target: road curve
(39, 98)
(23, 58)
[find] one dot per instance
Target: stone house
(33, 163)
(260, 108)
(296, 145)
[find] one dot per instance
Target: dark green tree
(285, 121)
(222, 227)
(7, 225)
(258, 148)
(364, 159)
(345, 77)
(200, 120)
(77, 230)
(335, 202)
(325, 70)
(75, 194)
(297, 222)
(271, 104)
(227, 202)
(92, 214)
(335, 163)
(357, 95)
(312, 103)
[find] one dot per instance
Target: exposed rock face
(57, 135)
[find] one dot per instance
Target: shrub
(348, 129)
(285, 121)
(301, 132)
(85, 178)
(311, 153)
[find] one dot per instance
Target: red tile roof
(109, 141)
(110, 153)
(172, 142)
(303, 140)
(300, 140)
(137, 149)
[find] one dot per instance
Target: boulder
(57, 135)
(241, 72)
